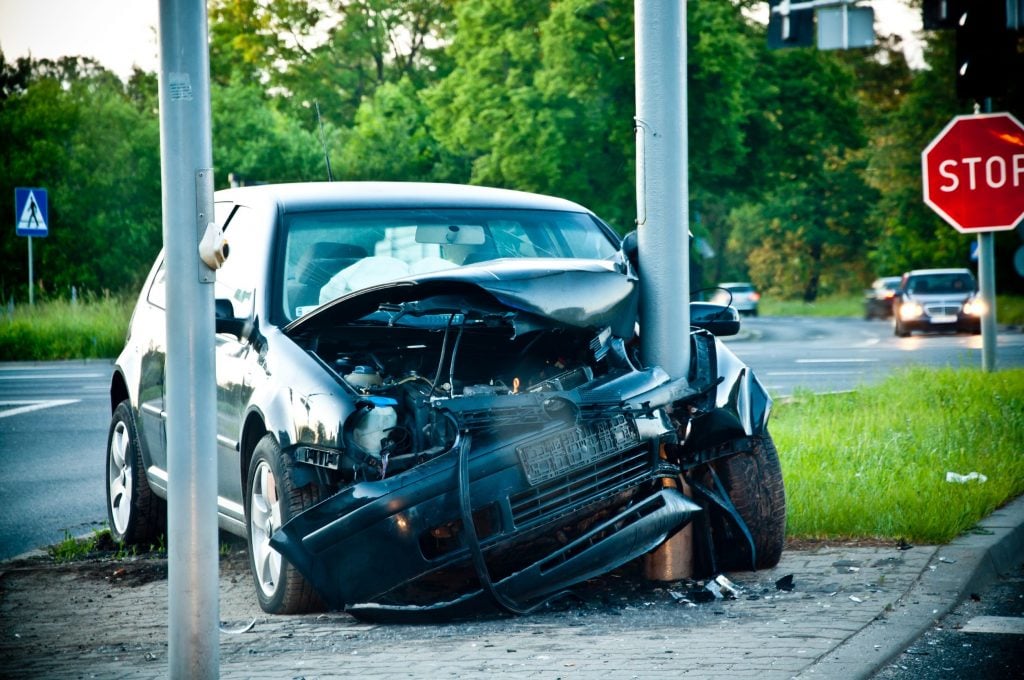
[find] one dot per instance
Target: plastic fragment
(947, 560)
(954, 477)
(729, 589)
(715, 589)
(785, 583)
(239, 631)
(856, 599)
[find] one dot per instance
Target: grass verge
(873, 463)
(60, 329)
(1009, 308)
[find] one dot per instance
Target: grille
(616, 463)
(942, 309)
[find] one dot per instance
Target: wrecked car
(430, 400)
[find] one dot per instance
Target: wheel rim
(119, 477)
(264, 520)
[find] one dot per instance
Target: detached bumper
(395, 549)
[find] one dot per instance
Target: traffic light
(937, 14)
(985, 49)
(789, 28)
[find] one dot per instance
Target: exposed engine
(407, 385)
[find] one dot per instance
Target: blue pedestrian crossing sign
(31, 212)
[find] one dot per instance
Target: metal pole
(987, 276)
(662, 184)
(31, 280)
(187, 191)
(987, 283)
(662, 194)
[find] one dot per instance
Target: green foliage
(256, 142)
(59, 329)
(70, 548)
(873, 463)
(76, 132)
(804, 165)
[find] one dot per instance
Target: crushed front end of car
(504, 443)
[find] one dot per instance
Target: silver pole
(987, 276)
(187, 189)
(987, 284)
(662, 184)
(31, 279)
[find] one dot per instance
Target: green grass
(1009, 308)
(873, 463)
(61, 330)
(839, 305)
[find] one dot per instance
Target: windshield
(326, 255)
(941, 284)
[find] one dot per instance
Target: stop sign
(973, 172)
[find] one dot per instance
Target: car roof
(735, 284)
(952, 270)
(308, 196)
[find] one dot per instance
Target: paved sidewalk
(851, 610)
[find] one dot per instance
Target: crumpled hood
(581, 293)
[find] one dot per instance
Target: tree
(257, 142)
(74, 131)
(809, 220)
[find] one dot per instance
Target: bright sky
(122, 33)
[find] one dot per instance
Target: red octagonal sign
(974, 172)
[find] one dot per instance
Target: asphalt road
(54, 416)
(825, 355)
(53, 429)
(981, 638)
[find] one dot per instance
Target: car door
(238, 283)
(152, 416)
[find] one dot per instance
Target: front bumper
(393, 549)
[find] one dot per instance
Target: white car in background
(741, 295)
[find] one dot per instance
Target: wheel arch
(252, 432)
(118, 390)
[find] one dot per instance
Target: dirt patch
(813, 543)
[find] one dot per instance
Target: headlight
(975, 307)
(911, 310)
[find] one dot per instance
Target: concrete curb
(968, 564)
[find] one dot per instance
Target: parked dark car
(878, 299)
(937, 300)
(430, 398)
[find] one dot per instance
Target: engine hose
(473, 541)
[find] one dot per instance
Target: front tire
(136, 515)
(899, 329)
(753, 480)
(271, 500)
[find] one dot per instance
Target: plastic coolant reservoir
(363, 376)
(373, 428)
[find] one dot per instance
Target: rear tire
(271, 499)
(753, 481)
(136, 515)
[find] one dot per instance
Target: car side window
(157, 295)
(238, 277)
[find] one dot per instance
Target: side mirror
(631, 249)
(224, 320)
(720, 320)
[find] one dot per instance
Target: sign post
(973, 177)
(32, 218)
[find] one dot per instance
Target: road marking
(28, 406)
(812, 373)
(51, 376)
(836, 361)
(1004, 625)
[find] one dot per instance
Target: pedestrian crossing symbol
(31, 212)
